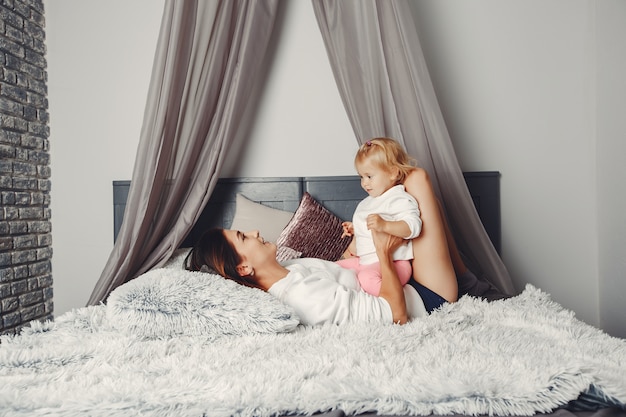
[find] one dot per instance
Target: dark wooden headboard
(339, 194)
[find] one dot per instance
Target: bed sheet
(606, 412)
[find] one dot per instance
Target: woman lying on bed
(321, 291)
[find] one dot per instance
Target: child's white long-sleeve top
(323, 292)
(394, 204)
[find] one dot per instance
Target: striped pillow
(314, 231)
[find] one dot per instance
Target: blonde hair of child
(388, 154)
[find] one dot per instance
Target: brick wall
(25, 239)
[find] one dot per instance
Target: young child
(382, 165)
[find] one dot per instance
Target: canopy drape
(383, 80)
(208, 55)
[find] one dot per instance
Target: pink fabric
(369, 275)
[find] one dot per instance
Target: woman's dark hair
(214, 253)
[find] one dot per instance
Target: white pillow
(250, 215)
(177, 260)
(166, 302)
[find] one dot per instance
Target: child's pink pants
(369, 276)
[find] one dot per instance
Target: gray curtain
(386, 89)
(208, 55)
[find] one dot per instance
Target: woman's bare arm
(391, 288)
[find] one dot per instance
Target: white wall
(516, 82)
(523, 89)
(301, 127)
(99, 63)
(611, 148)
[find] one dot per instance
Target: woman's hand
(386, 244)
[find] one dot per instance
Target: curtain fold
(379, 67)
(208, 55)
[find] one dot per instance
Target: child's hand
(348, 229)
(376, 223)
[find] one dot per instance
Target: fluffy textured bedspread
(514, 357)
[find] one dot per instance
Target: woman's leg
(432, 263)
(455, 256)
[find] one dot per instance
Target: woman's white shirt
(323, 292)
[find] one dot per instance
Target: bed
(178, 343)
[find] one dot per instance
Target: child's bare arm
(348, 229)
(351, 251)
